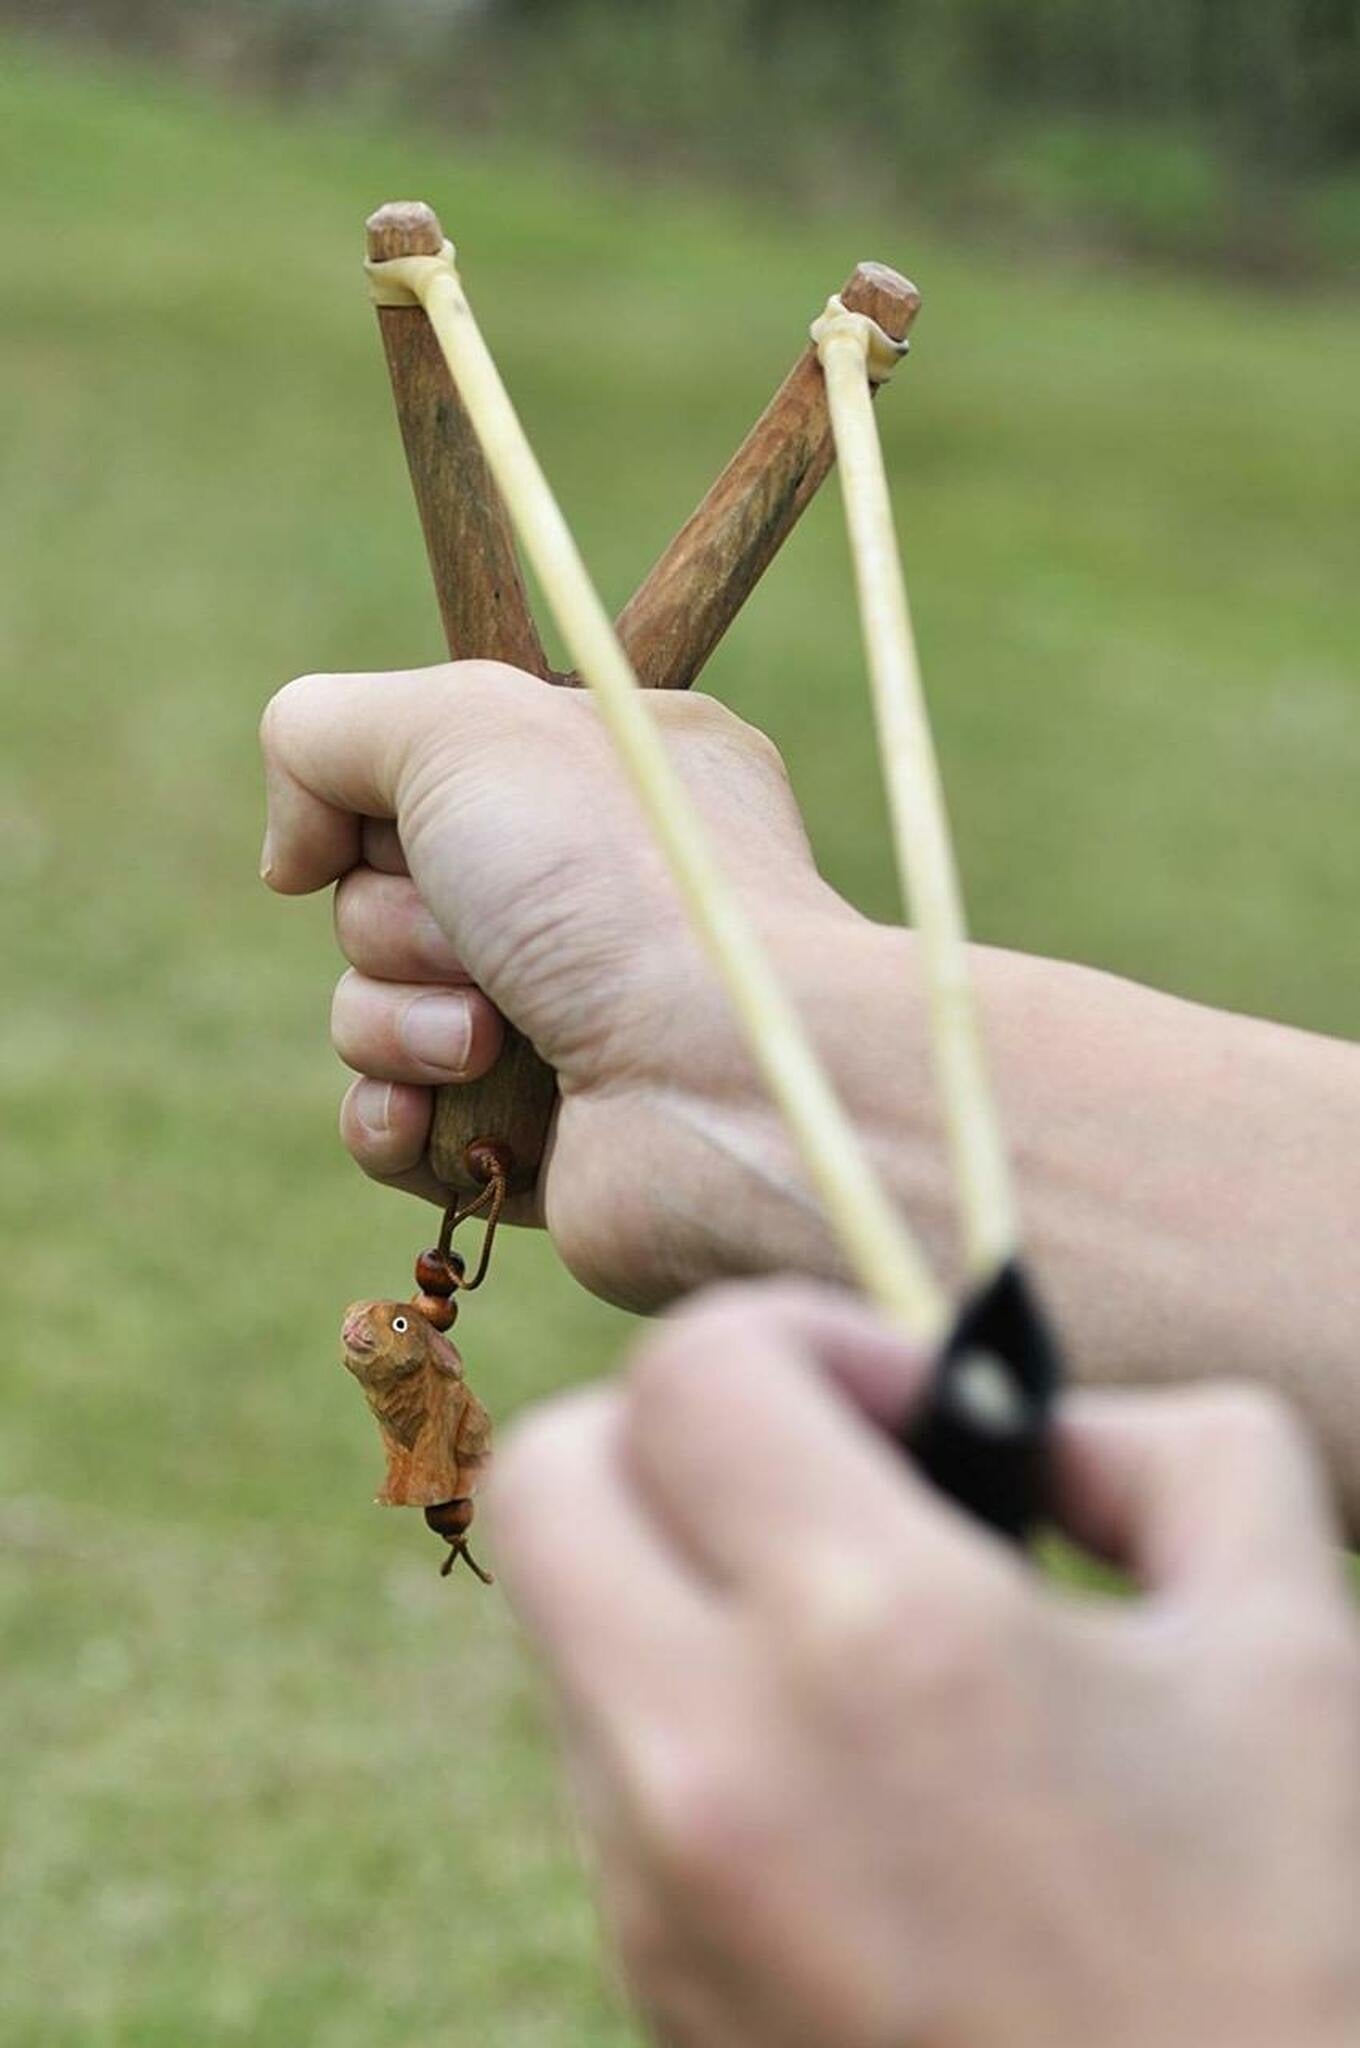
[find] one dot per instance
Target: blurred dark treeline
(1203, 129)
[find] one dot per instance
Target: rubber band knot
(836, 322)
(404, 280)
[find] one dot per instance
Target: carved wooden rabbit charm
(435, 1431)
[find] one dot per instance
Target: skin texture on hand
(522, 879)
(854, 1778)
(1189, 1181)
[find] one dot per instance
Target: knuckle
(698, 710)
(708, 717)
(353, 1136)
(500, 695)
(867, 1644)
(347, 903)
(702, 1833)
(470, 719)
(281, 709)
(763, 750)
(376, 917)
(344, 1022)
(482, 673)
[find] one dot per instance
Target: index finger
(741, 1439)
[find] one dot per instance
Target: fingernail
(372, 1102)
(267, 857)
(438, 1030)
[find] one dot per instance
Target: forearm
(1189, 1180)
(1191, 1185)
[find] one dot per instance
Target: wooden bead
(438, 1309)
(451, 1519)
(439, 1272)
(485, 1159)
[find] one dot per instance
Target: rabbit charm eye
(400, 1325)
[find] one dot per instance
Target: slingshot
(479, 488)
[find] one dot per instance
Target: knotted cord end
(404, 280)
(836, 322)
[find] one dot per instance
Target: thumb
(342, 749)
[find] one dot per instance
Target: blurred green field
(262, 1777)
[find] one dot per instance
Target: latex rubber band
(878, 1245)
(881, 353)
(920, 823)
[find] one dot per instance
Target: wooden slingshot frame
(668, 629)
(478, 486)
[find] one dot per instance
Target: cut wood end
(404, 227)
(885, 295)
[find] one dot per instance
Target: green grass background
(262, 1777)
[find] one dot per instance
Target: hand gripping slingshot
(981, 1434)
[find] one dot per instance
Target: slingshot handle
(485, 614)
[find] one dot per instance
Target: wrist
(735, 1198)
